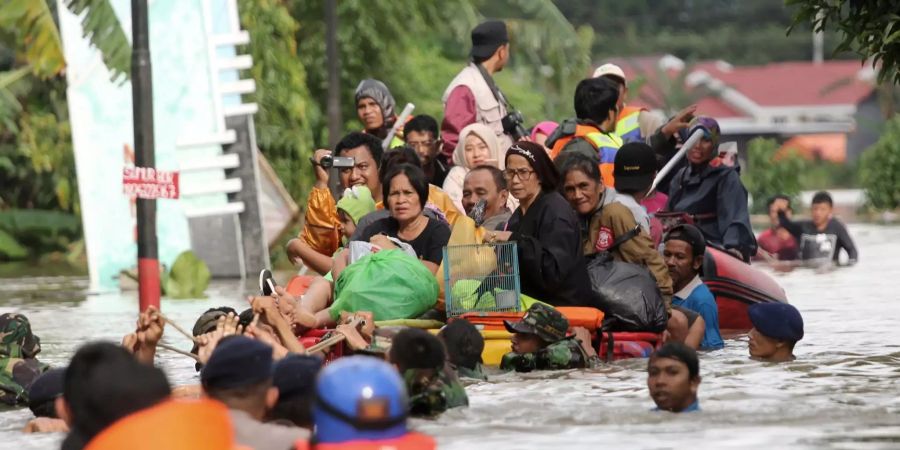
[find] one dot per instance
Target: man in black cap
(239, 374)
(472, 96)
(776, 329)
(634, 170)
(295, 378)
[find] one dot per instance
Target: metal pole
(334, 75)
(142, 110)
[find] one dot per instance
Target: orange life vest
(606, 145)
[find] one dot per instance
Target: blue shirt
(697, 297)
(693, 407)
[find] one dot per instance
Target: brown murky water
(842, 392)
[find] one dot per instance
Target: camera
(338, 162)
(512, 125)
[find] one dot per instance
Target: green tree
(871, 28)
(880, 168)
(768, 174)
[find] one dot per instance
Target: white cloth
(488, 110)
(688, 289)
(639, 212)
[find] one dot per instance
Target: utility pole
(334, 75)
(142, 111)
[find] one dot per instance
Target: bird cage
(481, 278)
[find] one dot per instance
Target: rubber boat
(735, 284)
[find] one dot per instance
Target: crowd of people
(568, 194)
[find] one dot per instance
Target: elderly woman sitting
(546, 229)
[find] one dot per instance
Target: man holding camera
(473, 97)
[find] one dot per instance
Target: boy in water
(673, 378)
(539, 342)
(822, 223)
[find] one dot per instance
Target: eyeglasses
(524, 174)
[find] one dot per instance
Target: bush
(767, 176)
(880, 168)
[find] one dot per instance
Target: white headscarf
(487, 135)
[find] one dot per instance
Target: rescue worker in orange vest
(592, 132)
(361, 403)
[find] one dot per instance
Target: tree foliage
(880, 168)
(871, 28)
(768, 175)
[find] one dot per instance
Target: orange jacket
(172, 425)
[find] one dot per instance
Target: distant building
(780, 100)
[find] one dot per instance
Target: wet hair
(595, 98)
(414, 348)
(103, 384)
(248, 397)
(246, 317)
(822, 197)
(397, 156)
(416, 178)
(582, 163)
(357, 139)
(499, 180)
(463, 342)
(679, 352)
(775, 197)
(422, 123)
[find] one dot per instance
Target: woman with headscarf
(712, 194)
(478, 145)
(375, 108)
(542, 131)
(551, 263)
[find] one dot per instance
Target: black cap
(635, 167)
(487, 37)
(690, 234)
(295, 375)
(237, 361)
(46, 387)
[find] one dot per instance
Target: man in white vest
(472, 96)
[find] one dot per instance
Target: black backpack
(626, 293)
(576, 146)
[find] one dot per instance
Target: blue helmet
(359, 398)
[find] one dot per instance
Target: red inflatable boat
(737, 285)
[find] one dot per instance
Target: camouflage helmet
(543, 320)
(16, 338)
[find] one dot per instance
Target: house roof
(798, 83)
(786, 84)
(827, 146)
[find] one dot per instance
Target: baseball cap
(690, 234)
(486, 37)
(543, 320)
(238, 361)
(635, 167)
(610, 70)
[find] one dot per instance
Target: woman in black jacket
(551, 263)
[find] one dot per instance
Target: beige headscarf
(487, 135)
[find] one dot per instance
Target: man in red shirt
(472, 96)
(776, 240)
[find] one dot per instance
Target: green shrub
(767, 176)
(880, 168)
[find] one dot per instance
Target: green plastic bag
(188, 278)
(390, 284)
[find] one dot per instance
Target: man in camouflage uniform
(539, 342)
(433, 391)
(431, 382)
(18, 366)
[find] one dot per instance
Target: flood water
(842, 392)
